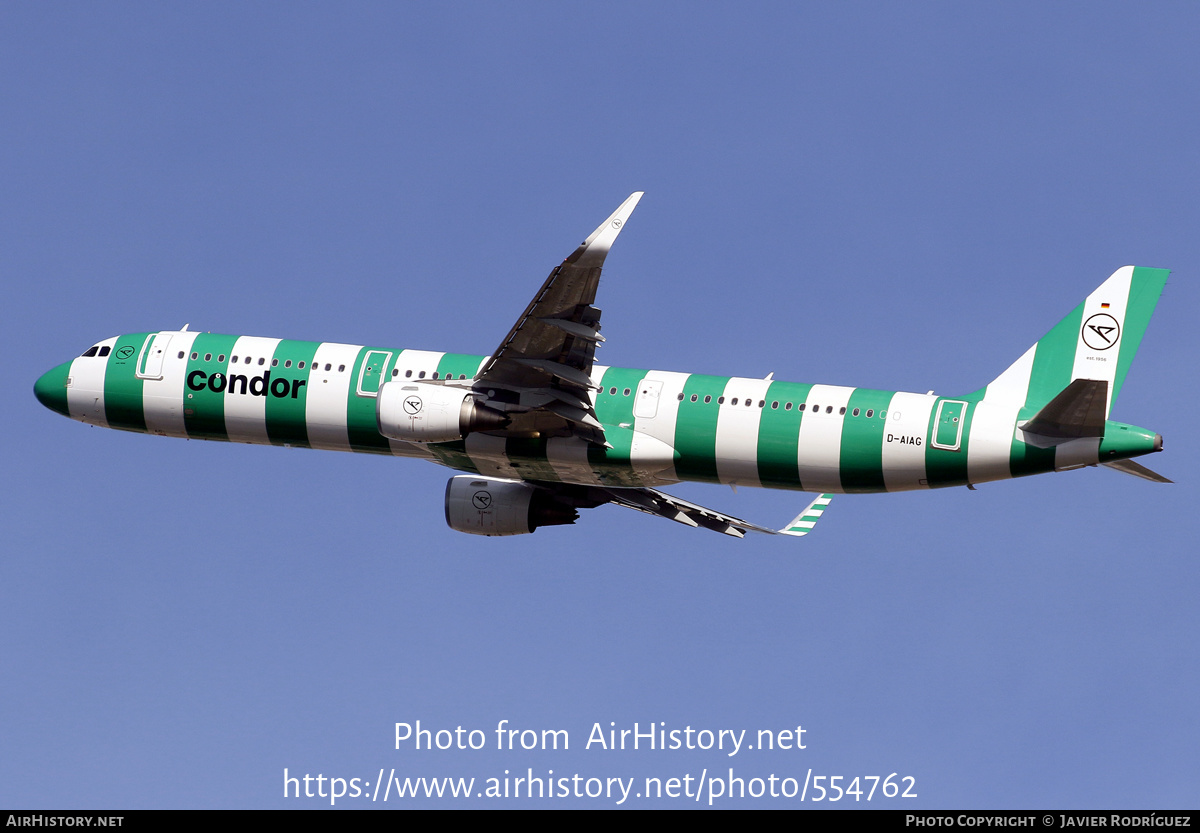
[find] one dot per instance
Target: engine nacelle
(486, 506)
(419, 412)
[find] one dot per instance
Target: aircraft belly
(488, 455)
(569, 458)
(652, 460)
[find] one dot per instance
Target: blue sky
(897, 196)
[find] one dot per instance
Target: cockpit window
(91, 351)
(105, 350)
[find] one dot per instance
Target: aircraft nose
(51, 389)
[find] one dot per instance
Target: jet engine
(425, 413)
(485, 506)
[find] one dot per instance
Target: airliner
(542, 431)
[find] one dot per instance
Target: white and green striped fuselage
(661, 427)
(543, 431)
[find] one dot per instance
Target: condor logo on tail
(280, 388)
(1101, 331)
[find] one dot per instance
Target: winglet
(803, 523)
(591, 252)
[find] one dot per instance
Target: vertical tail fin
(1097, 341)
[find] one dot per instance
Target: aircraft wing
(541, 372)
(654, 502)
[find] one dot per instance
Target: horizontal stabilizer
(1077, 411)
(803, 523)
(1137, 470)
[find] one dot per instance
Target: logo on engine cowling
(481, 499)
(412, 405)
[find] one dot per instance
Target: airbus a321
(542, 431)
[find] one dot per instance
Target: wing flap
(552, 347)
(654, 502)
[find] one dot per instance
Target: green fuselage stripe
(779, 435)
(362, 426)
(204, 409)
(696, 428)
(944, 467)
(615, 408)
(122, 388)
(458, 366)
(861, 460)
(285, 414)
